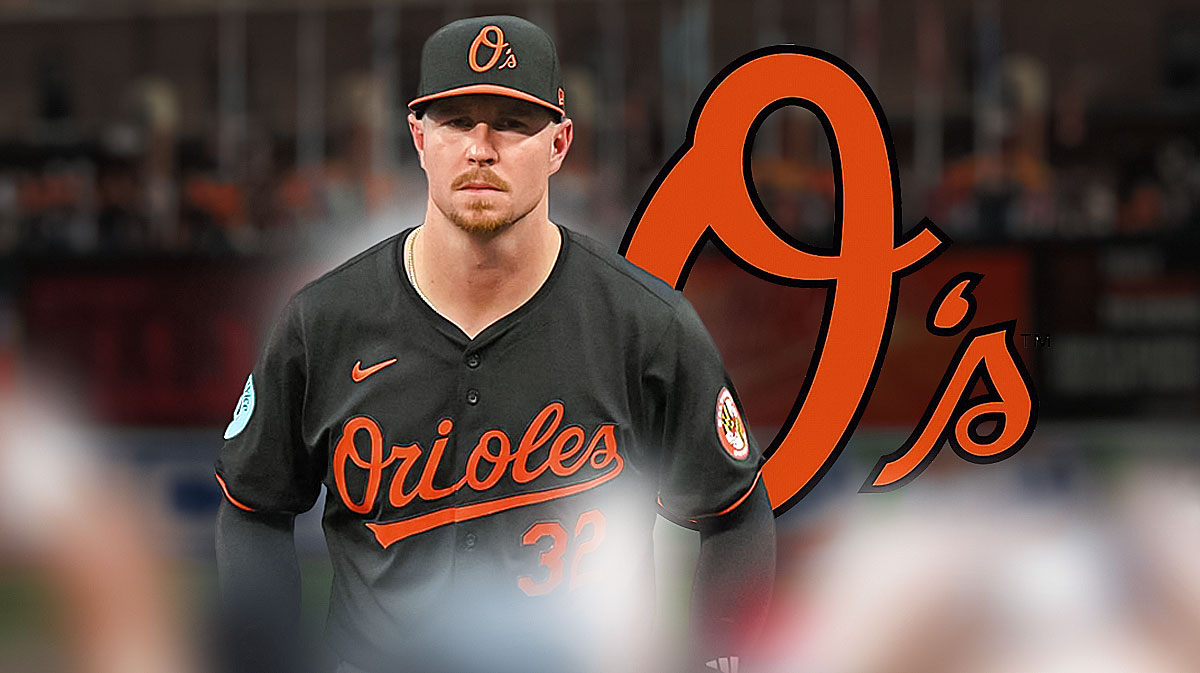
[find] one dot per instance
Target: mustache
(479, 175)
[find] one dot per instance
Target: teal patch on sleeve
(243, 410)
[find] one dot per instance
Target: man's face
(488, 158)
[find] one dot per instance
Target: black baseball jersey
(494, 497)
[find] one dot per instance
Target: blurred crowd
(97, 199)
(1048, 168)
(157, 194)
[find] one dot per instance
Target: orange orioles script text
(579, 462)
(706, 193)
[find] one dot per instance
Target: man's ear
(418, 136)
(563, 135)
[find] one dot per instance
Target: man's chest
(422, 430)
(410, 380)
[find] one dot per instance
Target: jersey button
(472, 396)
(469, 541)
(473, 360)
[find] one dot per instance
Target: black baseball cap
(499, 55)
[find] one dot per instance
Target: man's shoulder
(602, 267)
(355, 275)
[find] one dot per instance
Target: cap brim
(492, 89)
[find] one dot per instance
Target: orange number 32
(552, 558)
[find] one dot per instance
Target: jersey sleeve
(265, 464)
(710, 461)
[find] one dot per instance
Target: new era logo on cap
(497, 55)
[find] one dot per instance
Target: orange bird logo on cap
(492, 37)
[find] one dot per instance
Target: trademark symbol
(1039, 340)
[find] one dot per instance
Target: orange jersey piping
(728, 509)
(232, 500)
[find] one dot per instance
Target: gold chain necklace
(410, 270)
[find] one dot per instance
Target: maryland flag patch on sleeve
(731, 430)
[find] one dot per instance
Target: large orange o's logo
(706, 192)
(493, 38)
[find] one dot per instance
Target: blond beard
(485, 222)
(482, 221)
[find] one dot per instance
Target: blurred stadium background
(171, 170)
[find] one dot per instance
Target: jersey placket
(472, 405)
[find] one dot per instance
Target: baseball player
(497, 407)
